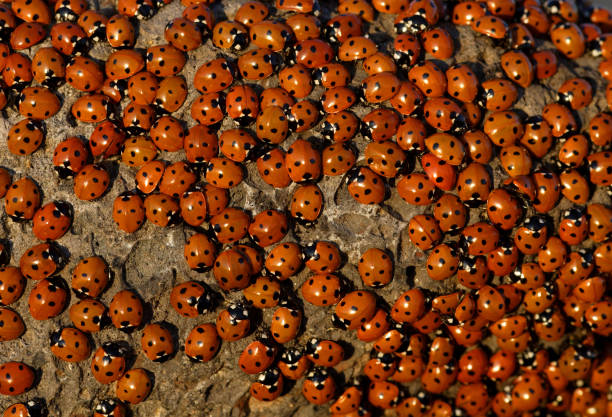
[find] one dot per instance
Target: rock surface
(150, 261)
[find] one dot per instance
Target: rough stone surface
(150, 261)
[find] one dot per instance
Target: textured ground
(151, 262)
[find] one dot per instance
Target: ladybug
(303, 161)
(91, 108)
(408, 99)
(365, 186)
(560, 119)
(406, 50)
(553, 255)
(269, 385)
(183, 34)
(436, 379)
(462, 83)
(230, 35)
(242, 104)
(271, 35)
(568, 39)
(200, 252)
(375, 268)
(16, 378)
(354, 309)
(128, 212)
(48, 67)
(48, 298)
(70, 344)
(537, 137)
(25, 137)
(120, 33)
(12, 325)
(491, 26)
(201, 15)
(442, 262)
(91, 182)
(296, 80)
(272, 168)
(284, 260)
(577, 92)
(450, 213)
(380, 125)
(17, 72)
(312, 53)
(322, 290)
(383, 394)
(348, 401)
(157, 57)
(157, 342)
(52, 220)
(504, 128)
(480, 238)
(124, 63)
(385, 158)
(518, 67)
(272, 125)
(303, 115)
(106, 139)
(599, 129)
(232, 270)
(599, 164)
(338, 99)
(88, 315)
(286, 323)
(337, 159)
(233, 323)
(423, 231)
(31, 408)
(126, 310)
(429, 78)
(440, 173)
(134, 386)
(257, 356)
(304, 26)
(548, 190)
(259, 64)
(503, 209)
(201, 144)
(409, 306)
(319, 386)
(339, 28)
(12, 285)
(446, 147)
(251, 12)
(84, 74)
(202, 343)
(374, 328)
(171, 94)
(191, 298)
(331, 75)
(38, 103)
(473, 366)
(498, 94)
(193, 207)
(380, 87)
(379, 62)
(108, 363)
(545, 63)
(142, 88)
(324, 352)
(322, 257)
(41, 261)
(69, 157)
(532, 236)
(502, 366)
(520, 37)
(69, 39)
(573, 227)
(94, 24)
(306, 203)
(230, 225)
(438, 43)
(264, 292)
(417, 17)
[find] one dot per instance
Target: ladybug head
(37, 408)
(106, 407)
(115, 349)
(291, 356)
(413, 24)
(238, 311)
(270, 377)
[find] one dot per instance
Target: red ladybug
(286, 323)
(269, 385)
(12, 325)
(157, 342)
(88, 315)
(41, 261)
(16, 378)
(319, 386)
(22, 199)
(52, 220)
(108, 363)
(128, 212)
(32, 408)
(70, 344)
(126, 310)
(25, 137)
(322, 290)
(257, 356)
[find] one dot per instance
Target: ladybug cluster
(517, 312)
